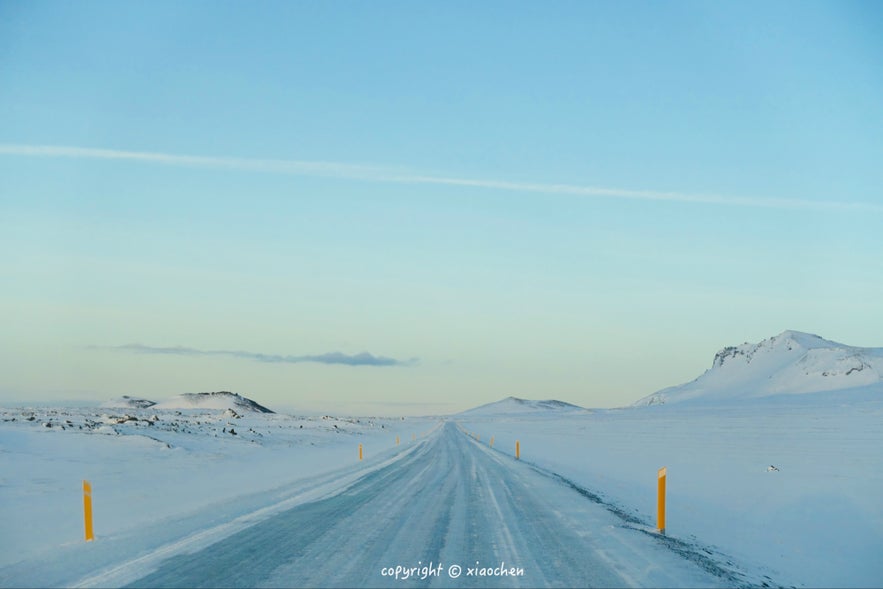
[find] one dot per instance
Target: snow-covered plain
(817, 521)
(768, 484)
(157, 475)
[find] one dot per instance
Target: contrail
(370, 173)
(194, 161)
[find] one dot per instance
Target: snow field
(173, 481)
(817, 521)
(144, 474)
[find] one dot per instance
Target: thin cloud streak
(362, 359)
(596, 191)
(386, 175)
(297, 167)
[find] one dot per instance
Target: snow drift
(789, 363)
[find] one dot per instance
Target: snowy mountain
(128, 402)
(513, 406)
(789, 363)
(219, 400)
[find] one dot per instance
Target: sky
(411, 208)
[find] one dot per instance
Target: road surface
(449, 513)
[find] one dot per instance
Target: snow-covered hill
(789, 363)
(513, 406)
(220, 400)
(127, 402)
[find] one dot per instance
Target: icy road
(447, 512)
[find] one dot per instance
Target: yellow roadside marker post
(517, 450)
(87, 510)
(360, 451)
(660, 504)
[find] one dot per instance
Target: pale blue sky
(568, 200)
